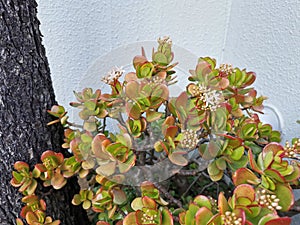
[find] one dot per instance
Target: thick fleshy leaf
(144, 70)
(86, 204)
(213, 169)
(19, 165)
(279, 221)
(137, 204)
(202, 200)
(178, 159)
(244, 176)
(202, 216)
(124, 167)
(130, 219)
(58, 181)
(221, 163)
(293, 176)
(31, 188)
(285, 195)
(103, 223)
(31, 218)
(57, 157)
(167, 218)
(237, 153)
(153, 115)
(190, 213)
(134, 110)
(106, 169)
(119, 197)
(222, 203)
(252, 162)
(131, 89)
(99, 143)
(275, 175)
(19, 221)
(149, 202)
(171, 131)
(273, 147)
(245, 191)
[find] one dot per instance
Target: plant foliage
(209, 132)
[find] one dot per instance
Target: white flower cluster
(226, 68)
(190, 139)
(212, 99)
(149, 219)
(165, 40)
(230, 218)
(112, 75)
(269, 200)
(292, 151)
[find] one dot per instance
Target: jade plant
(198, 158)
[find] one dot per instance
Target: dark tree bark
(25, 95)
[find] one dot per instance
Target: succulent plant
(210, 132)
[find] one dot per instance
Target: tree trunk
(25, 95)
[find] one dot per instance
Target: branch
(168, 195)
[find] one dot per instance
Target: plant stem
(168, 195)
(191, 185)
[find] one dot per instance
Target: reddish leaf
(279, 221)
(202, 216)
(245, 191)
(244, 176)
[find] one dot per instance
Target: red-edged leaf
(274, 174)
(167, 218)
(171, 132)
(203, 215)
(285, 195)
(178, 159)
(252, 162)
(19, 165)
(279, 221)
(222, 203)
(149, 202)
(130, 219)
(274, 147)
(245, 191)
(244, 176)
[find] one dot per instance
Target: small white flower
(165, 39)
(212, 99)
(112, 75)
(226, 68)
(190, 139)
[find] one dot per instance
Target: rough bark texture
(25, 95)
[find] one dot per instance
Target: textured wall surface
(262, 36)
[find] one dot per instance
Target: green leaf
(285, 195)
(244, 176)
(86, 204)
(237, 153)
(106, 169)
(221, 163)
(130, 219)
(131, 89)
(178, 159)
(119, 197)
(90, 105)
(211, 61)
(190, 213)
(202, 200)
(160, 58)
(167, 218)
(153, 115)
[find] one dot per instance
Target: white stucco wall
(260, 35)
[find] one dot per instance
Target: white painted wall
(262, 36)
